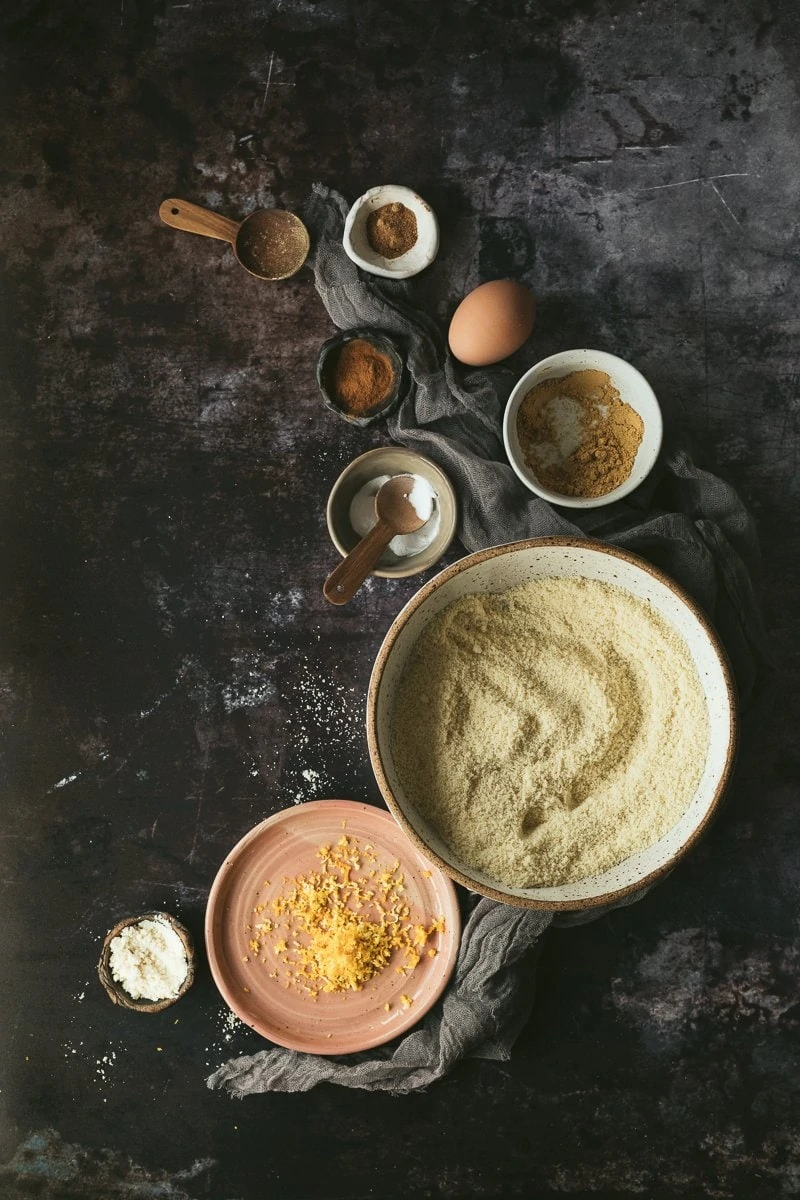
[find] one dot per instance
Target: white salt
(422, 498)
(424, 501)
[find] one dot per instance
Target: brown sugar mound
(392, 230)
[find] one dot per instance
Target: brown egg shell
(492, 322)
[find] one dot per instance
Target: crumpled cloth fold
(481, 1013)
(683, 518)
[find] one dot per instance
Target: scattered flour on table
(79, 1055)
(252, 685)
(550, 731)
(324, 713)
(228, 1026)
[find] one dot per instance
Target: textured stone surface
(170, 672)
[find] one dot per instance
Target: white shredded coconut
(149, 960)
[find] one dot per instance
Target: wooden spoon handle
(345, 580)
(181, 214)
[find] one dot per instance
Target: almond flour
(550, 731)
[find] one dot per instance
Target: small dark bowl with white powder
(147, 962)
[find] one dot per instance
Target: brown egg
(492, 322)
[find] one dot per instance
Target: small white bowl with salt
(566, 439)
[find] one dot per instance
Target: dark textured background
(170, 671)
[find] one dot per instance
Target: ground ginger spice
(577, 435)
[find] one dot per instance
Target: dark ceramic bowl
(327, 362)
(116, 991)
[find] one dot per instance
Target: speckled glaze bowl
(392, 460)
(497, 570)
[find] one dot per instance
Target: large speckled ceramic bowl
(496, 570)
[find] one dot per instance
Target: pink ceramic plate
(283, 847)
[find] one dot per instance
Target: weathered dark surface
(171, 673)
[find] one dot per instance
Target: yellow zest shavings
(406, 1001)
(344, 922)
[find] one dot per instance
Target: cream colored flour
(550, 731)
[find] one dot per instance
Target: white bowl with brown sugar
(553, 722)
(582, 428)
(391, 231)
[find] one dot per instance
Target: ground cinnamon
(391, 230)
(577, 434)
(363, 376)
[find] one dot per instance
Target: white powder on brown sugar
(550, 731)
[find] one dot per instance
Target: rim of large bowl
(467, 881)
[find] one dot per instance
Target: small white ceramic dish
(356, 242)
(497, 570)
(633, 389)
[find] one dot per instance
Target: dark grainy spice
(392, 230)
(272, 243)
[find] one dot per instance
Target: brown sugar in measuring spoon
(271, 243)
(396, 514)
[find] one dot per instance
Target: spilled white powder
(423, 500)
(149, 960)
(551, 731)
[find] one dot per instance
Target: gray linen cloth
(684, 519)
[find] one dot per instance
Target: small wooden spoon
(271, 243)
(396, 514)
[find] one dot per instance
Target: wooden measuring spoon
(271, 243)
(396, 514)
